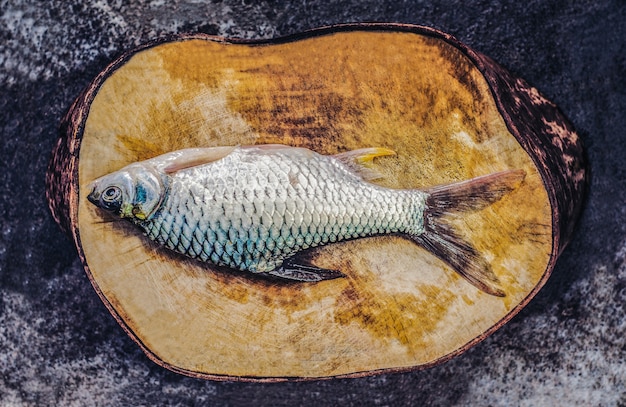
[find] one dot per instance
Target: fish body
(257, 208)
(254, 208)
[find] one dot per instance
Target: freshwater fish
(259, 208)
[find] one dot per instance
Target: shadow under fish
(260, 208)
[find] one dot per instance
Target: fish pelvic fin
(360, 161)
(295, 270)
(440, 238)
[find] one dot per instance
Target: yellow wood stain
(410, 319)
(399, 306)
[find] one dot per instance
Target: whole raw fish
(257, 208)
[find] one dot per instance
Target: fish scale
(258, 212)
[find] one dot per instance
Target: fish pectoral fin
(190, 157)
(299, 271)
(359, 161)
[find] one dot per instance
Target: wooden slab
(449, 113)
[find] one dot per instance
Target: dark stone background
(60, 346)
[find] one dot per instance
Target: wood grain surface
(398, 307)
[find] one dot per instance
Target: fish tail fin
(439, 236)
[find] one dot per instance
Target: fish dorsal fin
(189, 157)
(360, 160)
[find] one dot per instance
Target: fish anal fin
(360, 160)
(295, 270)
(190, 157)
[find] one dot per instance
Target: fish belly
(251, 211)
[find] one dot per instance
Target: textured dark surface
(60, 346)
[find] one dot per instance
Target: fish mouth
(94, 195)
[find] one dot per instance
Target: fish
(260, 208)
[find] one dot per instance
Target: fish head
(135, 192)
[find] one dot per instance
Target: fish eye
(111, 198)
(111, 194)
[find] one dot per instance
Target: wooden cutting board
(448, 112)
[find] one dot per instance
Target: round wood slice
(449, 113)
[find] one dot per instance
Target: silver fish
(257, 208)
